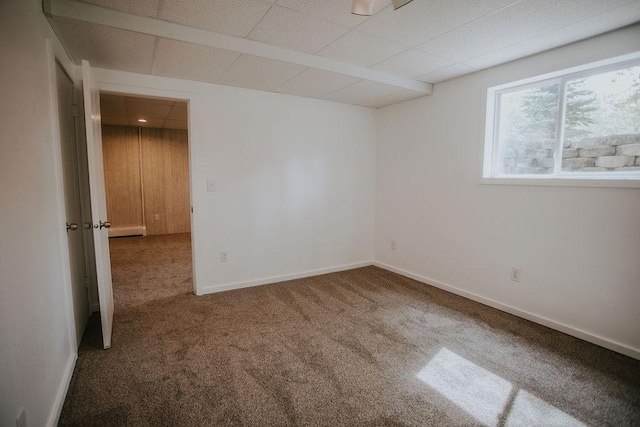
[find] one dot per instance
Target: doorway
(145, 146)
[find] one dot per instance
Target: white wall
(37, 336)
(294, 176)
(579, 248)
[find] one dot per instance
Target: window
(573, 124)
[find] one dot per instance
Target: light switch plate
(211, 186)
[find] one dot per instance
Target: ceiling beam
(156, 27)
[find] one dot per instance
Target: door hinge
(74, 110)
(191, 209)
(86, 282)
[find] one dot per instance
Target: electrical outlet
(224, 257)
(393, 245)
(21, 421)
(516, 274)
(156, 217)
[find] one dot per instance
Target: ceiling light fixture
(142, 120)
(365, 7)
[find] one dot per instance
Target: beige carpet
(363, 347)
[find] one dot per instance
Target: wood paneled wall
(122, 177)
(160, 177)
(165, 171)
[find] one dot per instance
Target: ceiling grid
(317, 48)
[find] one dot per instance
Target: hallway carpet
(363, 347)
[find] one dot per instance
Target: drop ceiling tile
(608, 21)
(139, 7)
(315, 83)
(361, 92)
(147, 110)
(106, 47)
(412, 63)
(254, 72)
(394, 98)
(420, 21)
(175, 124)
(112, 105)
(114, 120)
(191, 61)
(151, 123)
(293, 30)
(512, 25)
(338, 11)
(361, 48)
(234, 17)
(178, 112)
(447, 73)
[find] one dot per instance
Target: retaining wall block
(589, 142)
(598, 151)
(623, 139)
(540, 154)
(578, 163)
(525, 163)
(615, 161)
(569, 153)
(545, 163)
(628, 150)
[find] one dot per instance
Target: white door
(69, 152)
(98, 200)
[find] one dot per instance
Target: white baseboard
(128, 231)
(276, 279)
(58, 403)
(578, 333)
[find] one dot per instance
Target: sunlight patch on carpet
(487, 397)
(480, 393)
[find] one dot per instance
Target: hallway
(150, 268)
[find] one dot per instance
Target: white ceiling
(427, 40)
(122, 110)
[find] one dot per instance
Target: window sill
(555, 181)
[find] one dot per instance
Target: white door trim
(152, 92)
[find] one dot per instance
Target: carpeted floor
(150, 268)
(363, 347)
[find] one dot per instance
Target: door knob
(87, 225)
(105, 224)
(73, 226)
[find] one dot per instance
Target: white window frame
(492, 126)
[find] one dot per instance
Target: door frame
(147, 92)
